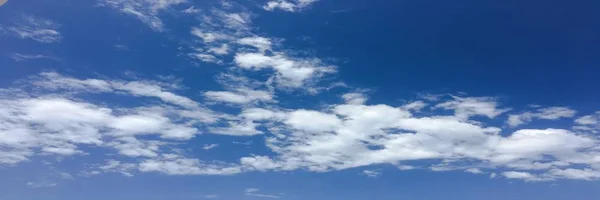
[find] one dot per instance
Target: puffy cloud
(55, 120)
(473, 106)
(355, 98)
(588, 123)
(290, 72)
(34, 28)
(49, 123)
(551, 113)
(260, 43)
(288, 5)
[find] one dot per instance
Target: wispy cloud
(254, 192)
(288, 5)
(27, 57)
(34, 28)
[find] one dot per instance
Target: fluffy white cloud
(551, 113)
(588, 123)
(260, 43)
(355, 98)
(471, 106)
(289, 72)
(288, 5)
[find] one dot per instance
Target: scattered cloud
(551, 113)
(588, 123)
(288, 5)
(146, 11)
(472, 106)
(34, 28)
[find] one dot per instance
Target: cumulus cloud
(472, 106)
(290, 72)
(54, 124)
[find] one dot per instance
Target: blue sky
(299, 99)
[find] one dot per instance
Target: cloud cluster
(55, 115)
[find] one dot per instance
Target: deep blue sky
(512, 54)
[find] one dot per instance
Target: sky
(299, 99)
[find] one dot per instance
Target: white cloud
(209, 37)
(260, 43)
(146, 11)
(415, 105)
(406, 167)
(240, 96)
(211, 196)
(371, 173)
(176, 165)
(26, 57)
(42, 184)
(355, 98)
(206, 58)
(474, 171)
(34, 28)
(222, 50)
(526, 176)
(289, 72)
(288, 5)
(254, 192)
(588, 123)
(551, 113)
(51, 124)
(210, 146)
(191, 10)
(472, 106)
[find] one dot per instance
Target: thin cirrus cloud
(34, 28)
